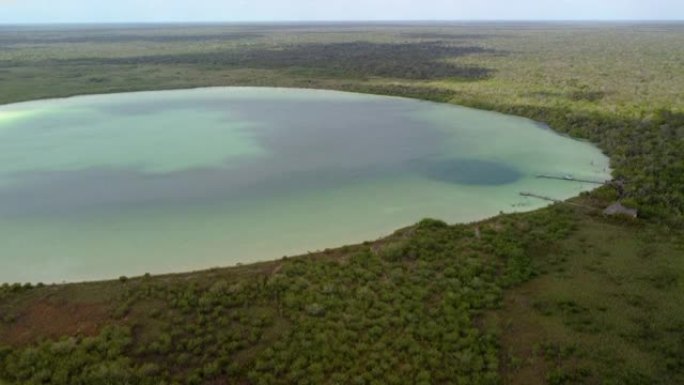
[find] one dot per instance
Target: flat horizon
(369, 21)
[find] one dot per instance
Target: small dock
(533, 195)
(570, 178)
(543, 197)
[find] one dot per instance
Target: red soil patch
(46, 319)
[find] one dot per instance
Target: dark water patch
(326, 136)
(468, 172)
(110, 190)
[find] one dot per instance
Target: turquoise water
(96, 187)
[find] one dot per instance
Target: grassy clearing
(607, 308)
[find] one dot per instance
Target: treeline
(446, 35)
(357, 59)
(433, 94)
(100, 36)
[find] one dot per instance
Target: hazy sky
(32, 11)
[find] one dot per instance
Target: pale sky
(80, 11)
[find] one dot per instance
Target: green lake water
(96, 187)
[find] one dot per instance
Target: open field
(606, 308)
(558, 296)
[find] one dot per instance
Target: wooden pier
(569, 178)
(533, 195)
(543, 197)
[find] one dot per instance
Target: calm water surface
(101, 186)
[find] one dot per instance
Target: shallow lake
(96, 187)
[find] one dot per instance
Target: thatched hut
(618, 209)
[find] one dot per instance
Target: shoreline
(514, 208)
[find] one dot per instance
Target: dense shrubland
(353, 59)
(403, 311)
